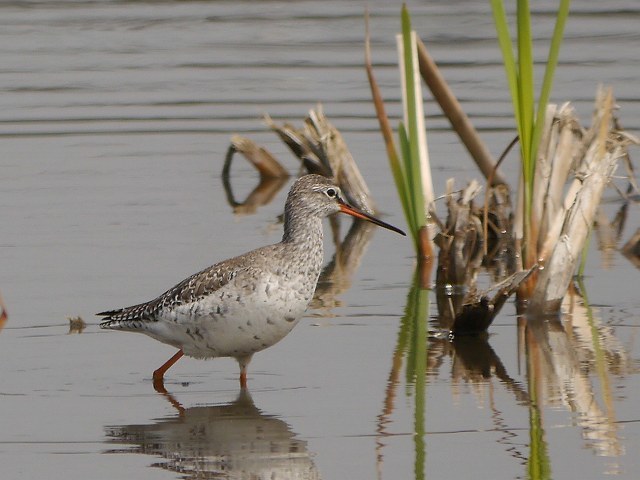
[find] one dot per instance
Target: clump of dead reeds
(564, 167)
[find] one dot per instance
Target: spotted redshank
(240, 306)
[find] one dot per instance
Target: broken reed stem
(564, 149)
(336, 154)
(581, 203)
(322, 150)
(386, 130)
(545, 159)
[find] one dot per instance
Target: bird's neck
(303, 230)
(302, 241)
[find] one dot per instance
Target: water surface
(115, 120)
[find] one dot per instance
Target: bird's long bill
(354, 212)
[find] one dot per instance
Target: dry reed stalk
(454, 268)
(546, 154)
(465, 228)
(459, 121)
(381, 114)
(569, 148)
(322, 149)
(460, 240)
(272, 175)
(498, 197)
(459, 260)
(343, 166)
(562, 153)
(597, 165)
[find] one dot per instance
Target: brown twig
(378, 103)
(458, 119)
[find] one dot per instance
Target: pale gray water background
(115, 117)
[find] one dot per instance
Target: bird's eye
(332, 193)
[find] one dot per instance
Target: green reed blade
(547, 82)
(525, 79)
(520, 76)
(412, 162)
(504, 40)
(408, 186)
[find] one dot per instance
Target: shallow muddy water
(115, 119)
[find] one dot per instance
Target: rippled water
(115, 120)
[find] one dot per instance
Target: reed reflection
(571, 360)
(411, 348)
(262, 194)
(568, 360)
(631, 249)
(475, 366)
(273, 176)
(231, 441)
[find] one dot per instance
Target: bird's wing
(189, 290)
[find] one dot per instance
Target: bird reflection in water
(235, 440)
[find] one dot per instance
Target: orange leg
(243, 377)
(158, 375)
(244, 363)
